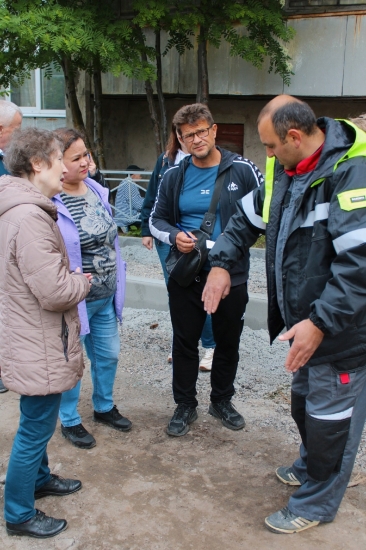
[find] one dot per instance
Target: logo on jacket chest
(232, 186)
(205, 191)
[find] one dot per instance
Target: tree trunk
(98, 117)
(159, 88)
(150, 100)
(154, 116)
(202, 80)
(70, 87)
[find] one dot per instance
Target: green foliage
(35, 33)
(133, 231)
(260, 242)
(264, 36)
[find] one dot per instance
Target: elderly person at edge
(40, 351)
(90, 235)
(10, 120)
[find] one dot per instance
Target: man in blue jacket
(183, 198)
(312, 208)
(10, 120)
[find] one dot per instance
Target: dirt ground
(144, 490)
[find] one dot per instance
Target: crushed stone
(260, 375)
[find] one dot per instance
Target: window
(321, 6)
(43, 94)
(316, 3)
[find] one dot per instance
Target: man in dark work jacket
(312, 208)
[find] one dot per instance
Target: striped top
(97, 232)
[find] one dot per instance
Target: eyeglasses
(188, 138)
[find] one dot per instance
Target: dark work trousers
(330, 411)
(188, 317)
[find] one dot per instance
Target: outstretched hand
(306, 340)
(217, 287)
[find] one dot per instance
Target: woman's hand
(148, 242)
(92, 166)
(89, 276)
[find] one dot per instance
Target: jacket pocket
(65, 337)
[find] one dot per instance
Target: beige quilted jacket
(40, 351)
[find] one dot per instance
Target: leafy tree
(212, 21)
(86, 35)
(265, 32)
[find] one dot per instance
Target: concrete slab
(142, 293)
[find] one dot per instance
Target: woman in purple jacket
(91, 239)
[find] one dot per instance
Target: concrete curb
(142, 293)
(136, 241)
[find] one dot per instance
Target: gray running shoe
(3, 389)
(286, 475)
(286, 522)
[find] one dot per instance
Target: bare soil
(144, 490)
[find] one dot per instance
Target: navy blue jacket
(242, 176)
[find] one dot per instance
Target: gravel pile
(261, 377)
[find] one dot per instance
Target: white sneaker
(206, 361)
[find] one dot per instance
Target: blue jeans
(207, 338)
(28, 463)
(102, 348)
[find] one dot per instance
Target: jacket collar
(96, 187)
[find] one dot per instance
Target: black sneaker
(3, 389)
(114, 419)
(182, 417)
(39, 526)
(229, 416)
(78, 436)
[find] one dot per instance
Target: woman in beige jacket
(40, 353)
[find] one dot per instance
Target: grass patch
(261, 242)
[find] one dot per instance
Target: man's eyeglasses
(188, 138)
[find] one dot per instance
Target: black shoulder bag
(183, 268)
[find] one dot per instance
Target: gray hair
(8, 111)
(28, 145)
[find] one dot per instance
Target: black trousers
(188, 317)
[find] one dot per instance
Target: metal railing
(123, 174)
(109, 176)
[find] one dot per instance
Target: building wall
(329, 71)
(327, 58)
(129, 137)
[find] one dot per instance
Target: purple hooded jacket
(71, 237)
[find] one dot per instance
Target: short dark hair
(190, 114)
(68, 136)
(294, 114)
(27, 145)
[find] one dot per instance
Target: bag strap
(217, 192)
(209, 218)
